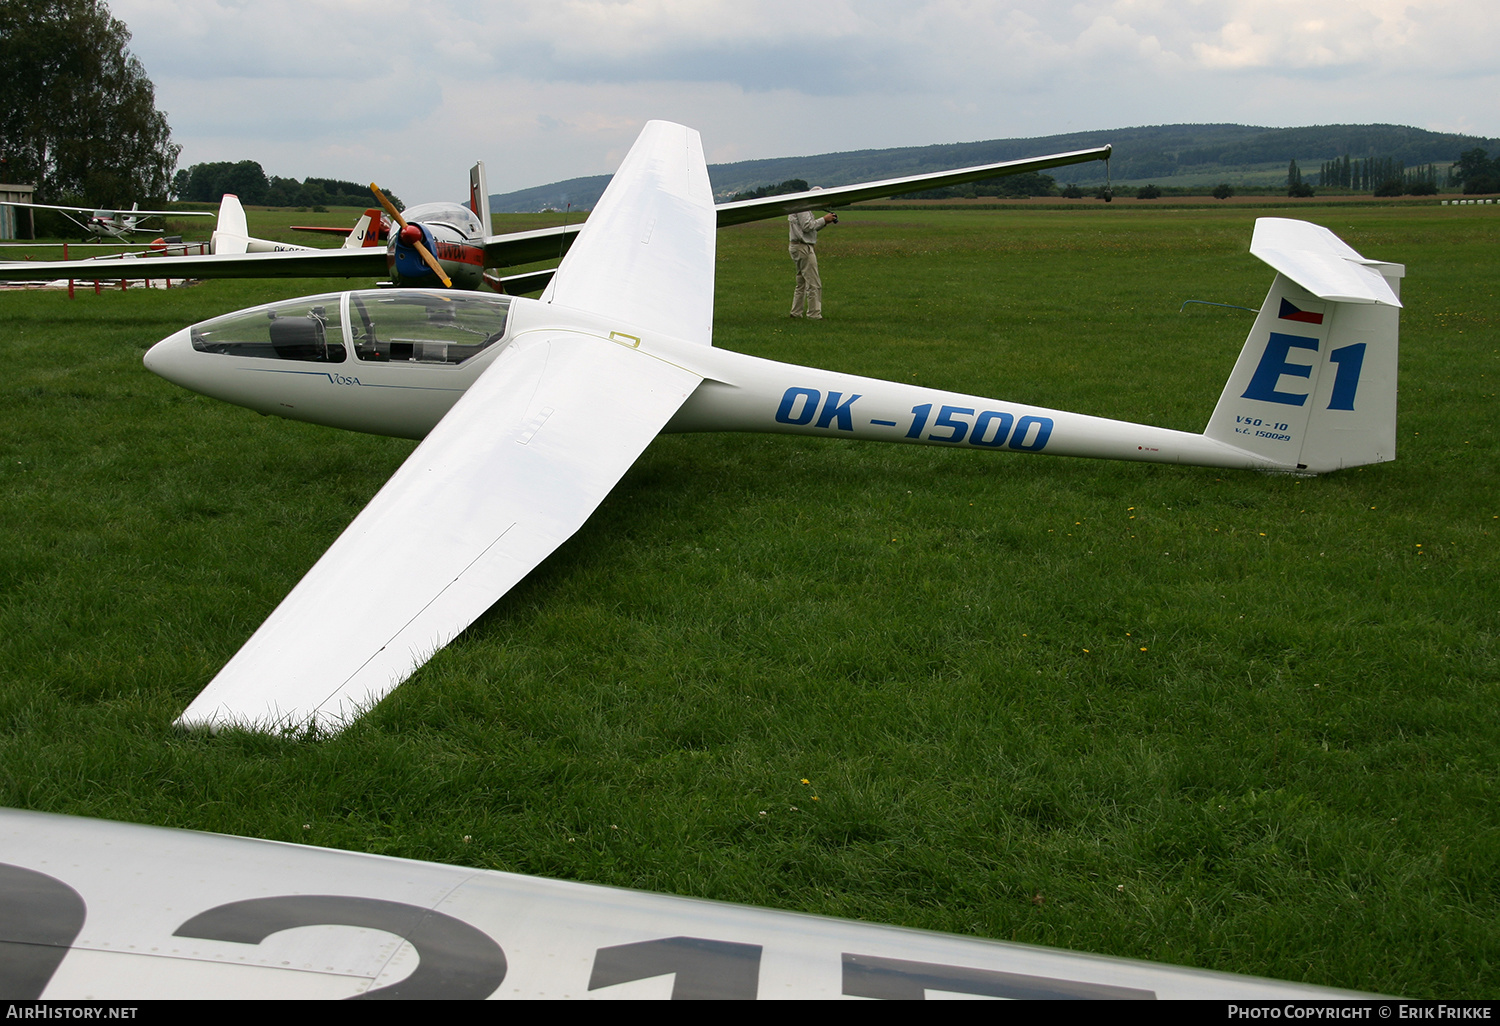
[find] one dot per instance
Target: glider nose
(170, 358)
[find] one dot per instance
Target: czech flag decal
(1291, 313)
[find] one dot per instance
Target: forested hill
(1163, 154)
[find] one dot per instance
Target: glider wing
(511, 472)
(650, 257)
(791, 203)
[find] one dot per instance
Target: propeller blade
(390, 208)
(437, 268)
(431, 261)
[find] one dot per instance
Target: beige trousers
(808, 297)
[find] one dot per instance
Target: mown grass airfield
(1226, 720)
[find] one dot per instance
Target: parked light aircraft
(532, 410)
(232, 233)
(92, 910)
(102, 222)
(363, 234)
(457, 235)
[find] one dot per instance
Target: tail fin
(1315, 385)
(231, 232)
(366, 231)
(479, 196)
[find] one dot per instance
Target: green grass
(1240, 722)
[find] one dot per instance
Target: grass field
(1241, 722)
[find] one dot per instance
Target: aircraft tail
(479, 196)
(1314, 388)
(366, 231)
(232, 231)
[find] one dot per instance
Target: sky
(410, 94)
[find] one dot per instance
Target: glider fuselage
(394, 362)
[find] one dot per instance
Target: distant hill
(1163, 154)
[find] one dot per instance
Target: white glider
(533, 409)
(98, 911)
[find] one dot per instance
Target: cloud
(548, 91)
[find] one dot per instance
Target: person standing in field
(802, 231)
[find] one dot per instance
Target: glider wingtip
(221, 719)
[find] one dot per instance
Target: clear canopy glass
(453, 214)
(402, 326)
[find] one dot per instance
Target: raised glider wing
(445, 225)
(101, 222)
(93, 910)
(533, 409)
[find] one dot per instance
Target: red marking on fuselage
(459, 253)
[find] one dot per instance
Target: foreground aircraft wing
(99, 911)
(791, 203)
(510, 473)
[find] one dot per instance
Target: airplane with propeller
(102, 222)
(449, 244)
(531, 410)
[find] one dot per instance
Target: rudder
(1314, 388)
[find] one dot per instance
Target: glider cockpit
(390, 361)
(376, 325)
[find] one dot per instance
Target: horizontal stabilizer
(1321, 262)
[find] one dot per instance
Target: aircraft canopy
(377, 325)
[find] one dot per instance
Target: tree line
(1474, 171)
(205, 183)
(1383, 176)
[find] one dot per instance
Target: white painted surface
(136, 891)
